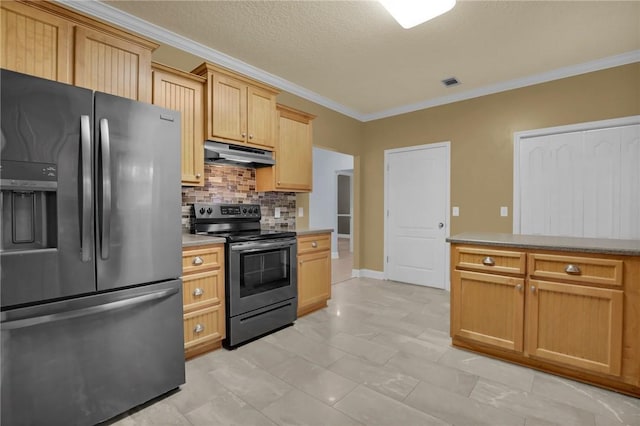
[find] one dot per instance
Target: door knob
(440, 225)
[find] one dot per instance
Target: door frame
(518, 137)
(387, 153)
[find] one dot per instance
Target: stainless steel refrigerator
(91, 301)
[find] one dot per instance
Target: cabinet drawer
(487, 260)
(316, 242)
(202, 289)
(577, 269)
(201, 259)
(203, 325)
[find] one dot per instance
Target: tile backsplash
(234, 184)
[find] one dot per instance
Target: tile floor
(342, 268)
(380, 354)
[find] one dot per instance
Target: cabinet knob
(314, 244)
(198, 292)
(198, 175)
(199, 328)
(572, 269)
(519, 287)
(250, 136)
(244, 135)
(197, 261)
(533, 289)
(488, 261)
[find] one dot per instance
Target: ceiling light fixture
(410, 13)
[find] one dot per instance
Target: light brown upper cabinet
(47, 40)
(35, 42)
(181, 91)
(293, 154)
(238, 110)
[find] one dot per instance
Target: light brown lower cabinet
(572, 314)
(203, 298)
(314, 272)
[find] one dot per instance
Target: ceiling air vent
(451, 81)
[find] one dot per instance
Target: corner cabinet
(238, 110)
(181, 91)
(47, 40)
(570, 314)
(203, 298)
(293, 152)
(314, 272)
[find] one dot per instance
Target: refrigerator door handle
(105, 217)
(85, 152)
(90, 310)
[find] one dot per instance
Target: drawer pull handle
(199, 328)
(573, 269)
(198, 292)
(488, 261)
(314, 244)
(198, 260)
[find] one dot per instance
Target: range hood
(219, 152)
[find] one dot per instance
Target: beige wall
(481, 134)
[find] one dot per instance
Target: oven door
(260, 273)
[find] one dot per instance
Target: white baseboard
(368, 273)
(335, 255)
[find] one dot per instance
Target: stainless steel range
(261, 291)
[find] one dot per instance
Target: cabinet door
(185, 95)
(228, 108)
(35, 42)
(111, 65)
(314, 280)
(575, 325)
(294, 155)
(488, 309)
(261, 117)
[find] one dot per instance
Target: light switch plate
(456, 211)
(504, 211)
(300, 211)
(276, 213)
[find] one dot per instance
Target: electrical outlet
(456, 211)
(276, 213)
(504, 211)
(300, 211)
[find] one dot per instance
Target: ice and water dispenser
(28, 205)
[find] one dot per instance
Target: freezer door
(138, 192)
(46, 205)
(85, 360)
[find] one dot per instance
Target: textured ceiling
(355, 54)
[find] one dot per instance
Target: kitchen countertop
(189, 240)
(307, 231)
(585, 245)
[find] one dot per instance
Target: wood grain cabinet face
(35, 42)
(488, 309)
(294, 154)
(579, 326)
(179, 91)
(314, 272)
(238, 110)
(111, 65)
(203, 298)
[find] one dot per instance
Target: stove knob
(256, 210)
(244, 211)
(209, 210)
(201, 210)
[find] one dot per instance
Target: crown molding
(570, 71)
(117, 17)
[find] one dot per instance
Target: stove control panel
(226, 211)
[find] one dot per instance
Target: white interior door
(417, 206)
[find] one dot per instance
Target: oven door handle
(254, 247)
